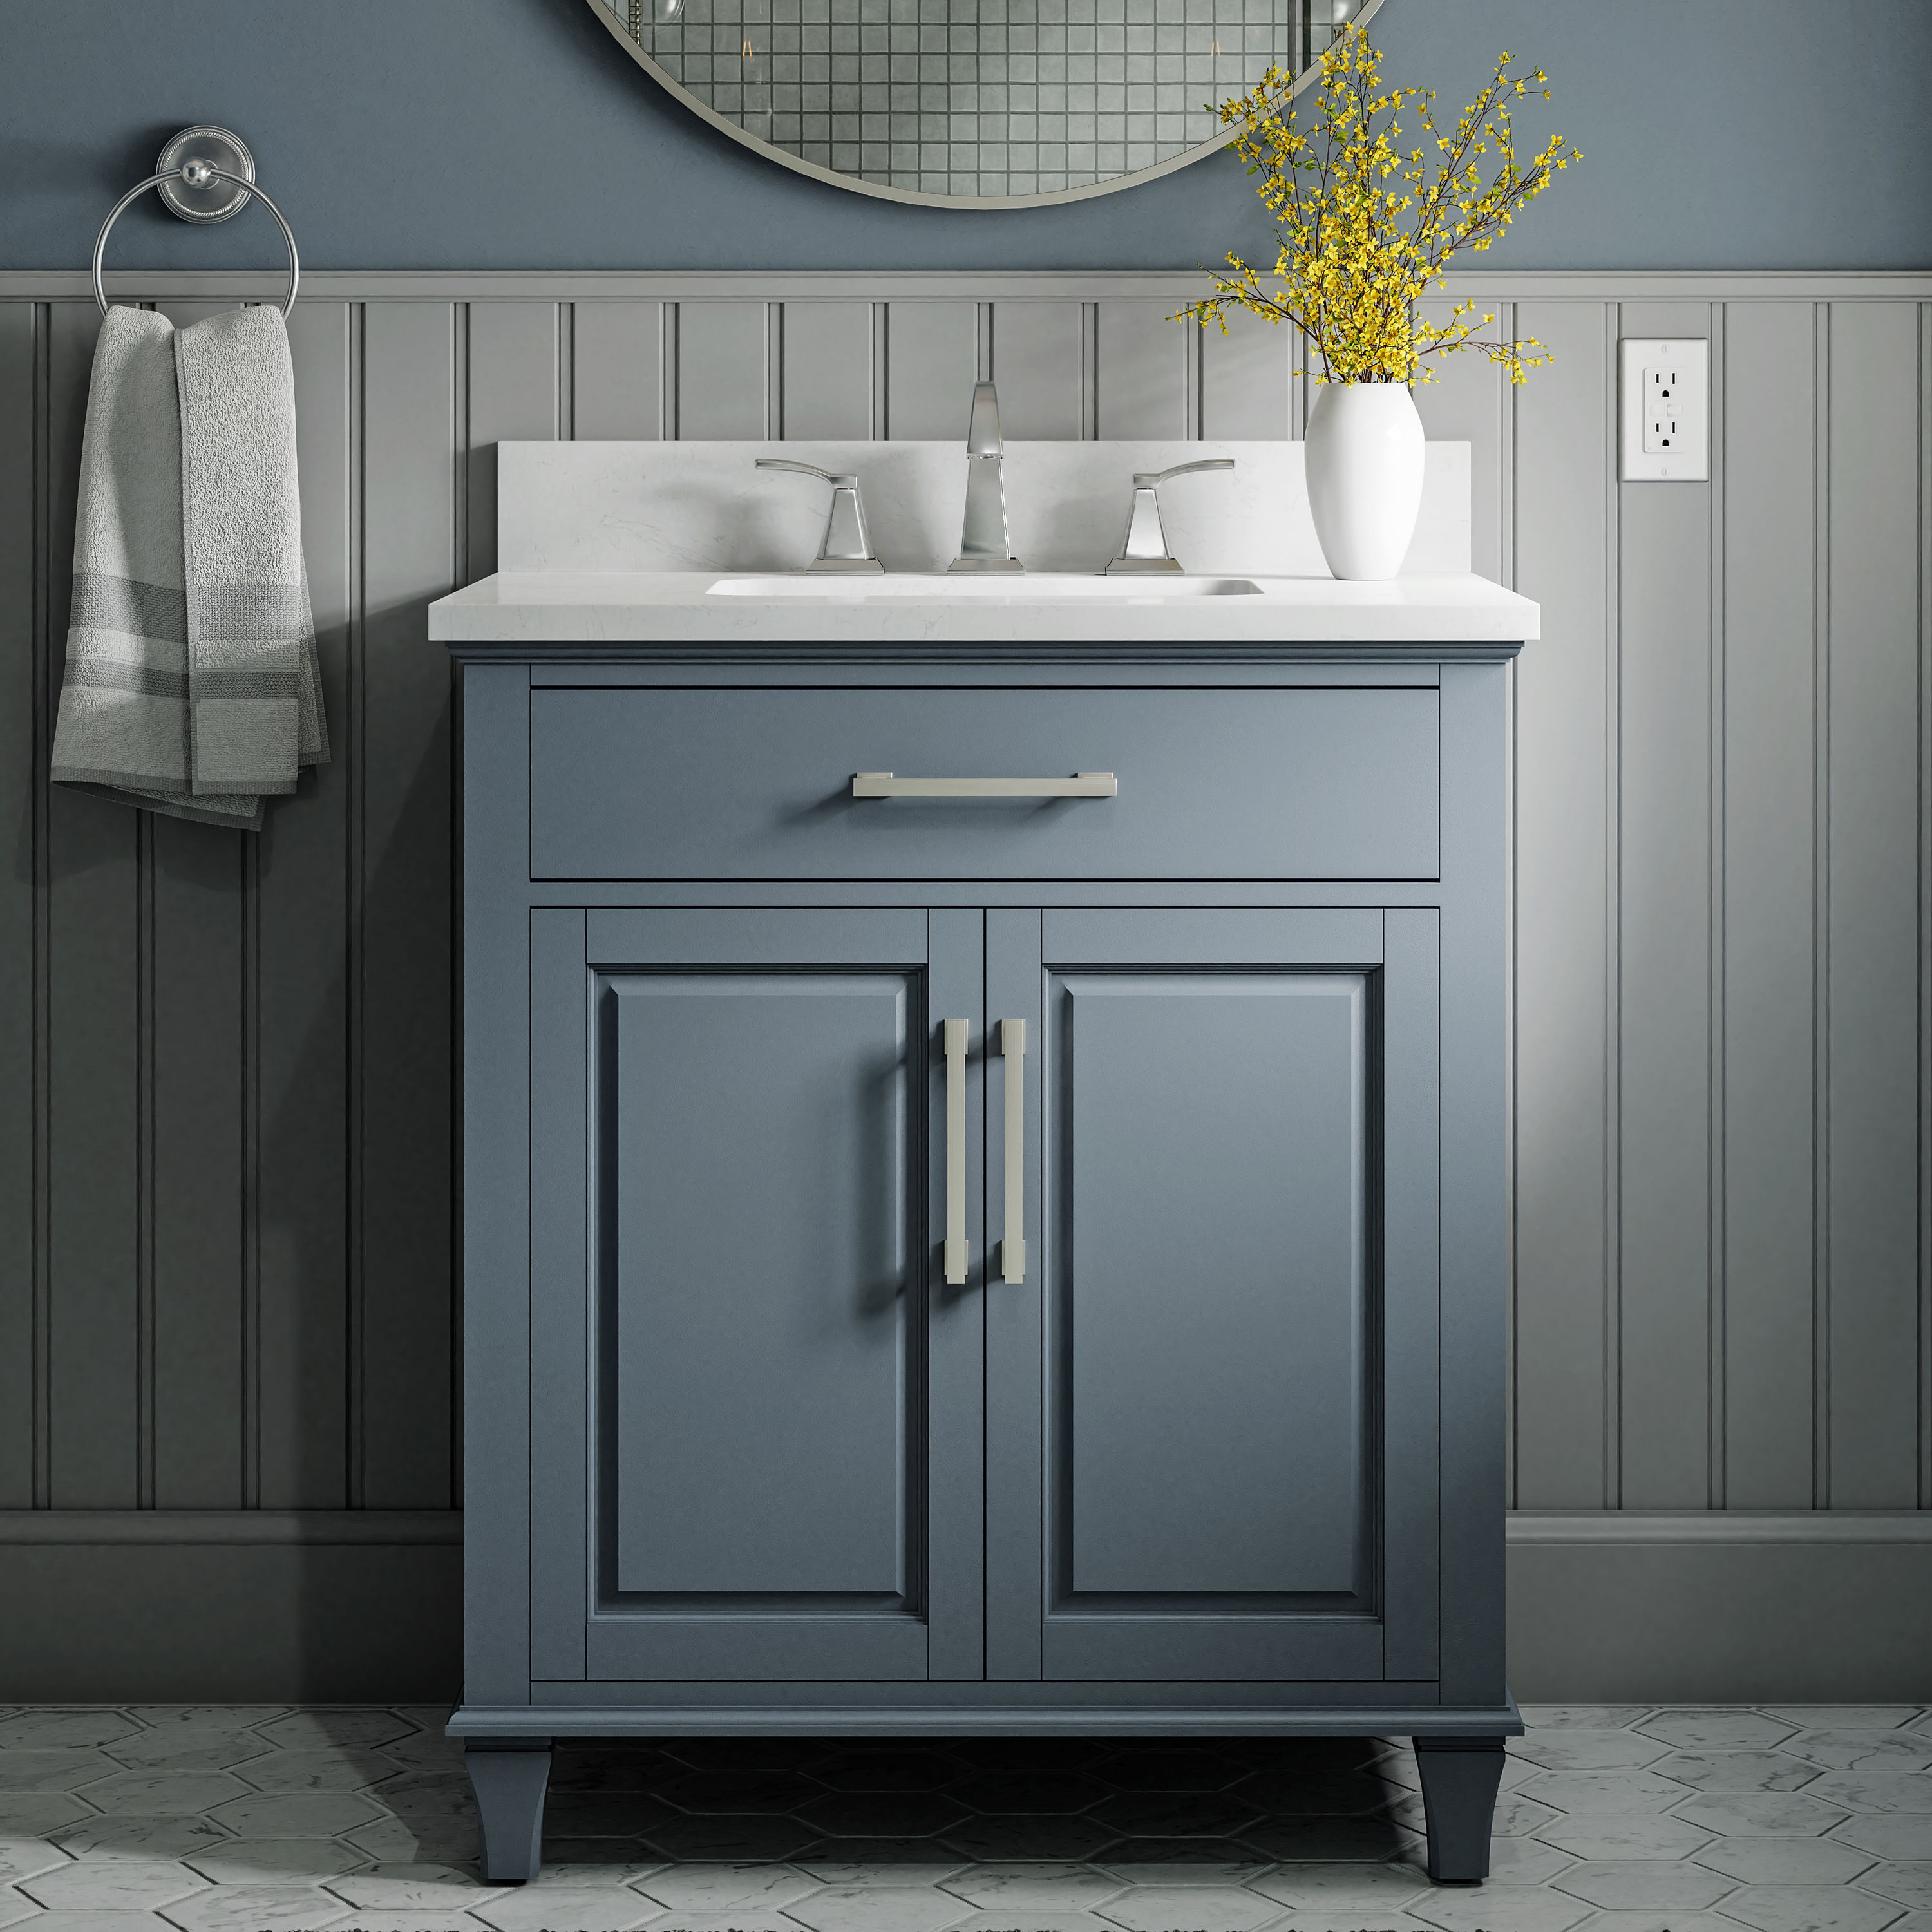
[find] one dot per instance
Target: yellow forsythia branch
(1364, 230)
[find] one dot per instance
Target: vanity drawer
(1277, 783)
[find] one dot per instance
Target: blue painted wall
(516, 134)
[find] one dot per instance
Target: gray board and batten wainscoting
(228, 1332)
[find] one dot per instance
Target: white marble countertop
(644, 607)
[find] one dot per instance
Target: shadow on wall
(369, 1367)
(246, 1302)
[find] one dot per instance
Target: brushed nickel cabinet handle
(1013, 1243)
(955, 1152)
(1081, 784)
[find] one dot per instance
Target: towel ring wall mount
(205, 175)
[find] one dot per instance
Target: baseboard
(203, 1526)
(208, 1621)
(1831, 1607)
(1721, 1608)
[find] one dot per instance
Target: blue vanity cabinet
(1208, 1439)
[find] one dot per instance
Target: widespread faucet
(1144, 551)
(845, 549)
(984, 548)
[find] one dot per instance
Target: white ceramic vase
(1364, 457)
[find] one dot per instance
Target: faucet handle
(807, 470)
(1143, 549)
(846, 548)
(1144, 479)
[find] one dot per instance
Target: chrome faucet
(1144, 551)
(984, 548)
(845, 549)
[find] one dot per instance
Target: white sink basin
(938, 587)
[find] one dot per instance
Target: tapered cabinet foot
(1460, 1778)
(510, 1780)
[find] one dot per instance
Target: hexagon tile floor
(225, 1820)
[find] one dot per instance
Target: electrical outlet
(1663, 391)
(1666, 411)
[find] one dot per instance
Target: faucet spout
(985, 549)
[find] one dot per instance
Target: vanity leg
(1460, 1778)
(509, 1777)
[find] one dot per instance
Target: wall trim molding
(1177, 285)
(95, 1527)
(1720, 1526)
(178, 1527)
(99, 1527)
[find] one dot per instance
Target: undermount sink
(933, 586)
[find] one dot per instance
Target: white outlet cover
(1690, 359)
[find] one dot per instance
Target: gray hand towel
(192, 685)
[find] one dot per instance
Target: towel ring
(197, 172)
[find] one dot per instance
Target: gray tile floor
(225, 1819)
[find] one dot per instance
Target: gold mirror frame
(1361, 13)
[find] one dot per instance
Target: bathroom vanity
(983, 1167)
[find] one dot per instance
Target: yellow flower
(1353, 256)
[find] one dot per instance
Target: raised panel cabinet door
(1227, 1322)
(779, 1477)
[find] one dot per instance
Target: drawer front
(1301, 783)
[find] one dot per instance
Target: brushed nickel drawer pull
(1013, 1243)
(955, 1152)
(1081, 784)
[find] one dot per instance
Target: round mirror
(974, 103)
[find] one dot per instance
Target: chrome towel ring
(205, 174)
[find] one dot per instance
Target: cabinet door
(1211, 1406)
(757, 1429)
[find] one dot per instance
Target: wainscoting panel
(96, 1412)
(932, 360)
(227, 1193)
(1250, 391)
(1665, 842)
(416, 530)
(1766, 974)
(826, 385)
(298, 1355)
(1564, 1379)
(197, 904)
(1145, 359)
(617, 371)
(22, 1194)
(724, 371)
(514, 393)
(1874, 695)
(1039, 352)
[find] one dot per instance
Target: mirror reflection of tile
(978, 97)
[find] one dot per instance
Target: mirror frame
(856, 184)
